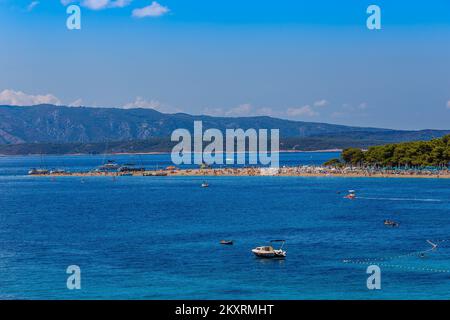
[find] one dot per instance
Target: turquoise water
(158, 237)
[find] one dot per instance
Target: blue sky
(301, 60)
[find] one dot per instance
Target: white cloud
(216, 112)
(448, 104)
(351, 110)
(120, 3)
(265, 112)
(19, 98)
(32, 5)
(66, 2)
(76, 103)
(321, 103)
(241, 110)
(95, 4)
(99, 4)
(302, 111)
(309, 110)
(153, 10)
(142, 103)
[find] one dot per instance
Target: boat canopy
(282, 242)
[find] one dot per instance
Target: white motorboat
(269, 251)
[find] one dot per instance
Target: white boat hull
(270, 254)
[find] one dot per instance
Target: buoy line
(398, 266)
(381, 261)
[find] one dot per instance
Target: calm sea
(158, 237)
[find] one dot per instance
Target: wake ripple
(400, 199)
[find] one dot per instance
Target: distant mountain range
(85, 129)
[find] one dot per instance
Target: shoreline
(258, 171)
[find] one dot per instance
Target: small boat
(391, 223)
(109, 166)
(129, 168)
(205, 185)
(351, 194)
(226, 242)
(269, 252)
(154, 174)
(160, 174)
(58, 171)
(34, 171)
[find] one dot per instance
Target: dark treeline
(435, 153)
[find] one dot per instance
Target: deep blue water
(158, 237)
